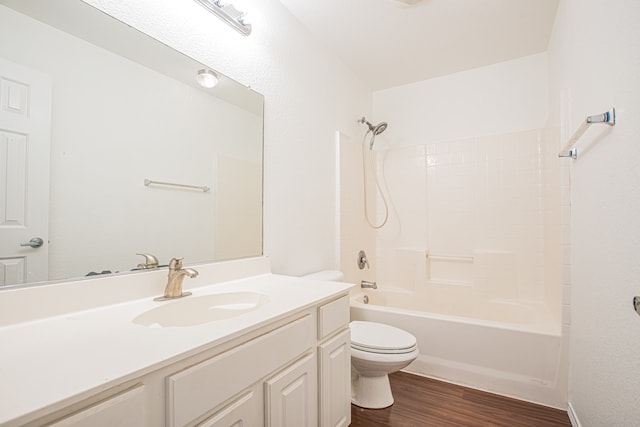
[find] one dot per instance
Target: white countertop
(46, 361)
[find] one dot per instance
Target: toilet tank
(326, 275)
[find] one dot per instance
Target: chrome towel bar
(204, 188)
(608, 118)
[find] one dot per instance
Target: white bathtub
(507, 347)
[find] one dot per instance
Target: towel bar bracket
(607, 118)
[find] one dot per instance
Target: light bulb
(207, 78)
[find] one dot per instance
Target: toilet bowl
(376, 351)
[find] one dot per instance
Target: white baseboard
(572, 416)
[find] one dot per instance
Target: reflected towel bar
(608, 118)
(204, 188)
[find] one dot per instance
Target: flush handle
(36, 242)
(636, 304)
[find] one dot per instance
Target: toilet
(376, 351)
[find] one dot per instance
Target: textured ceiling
(389, 44)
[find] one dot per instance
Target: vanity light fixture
(229, 14)
(207, 78)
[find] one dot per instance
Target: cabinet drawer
(333, 316)
(124, 409)
(199, 389)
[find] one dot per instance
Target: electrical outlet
(636, 304)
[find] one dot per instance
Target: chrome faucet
(371, 285)
(175, 277)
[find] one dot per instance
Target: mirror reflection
(91, 111)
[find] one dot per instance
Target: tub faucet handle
(362, 260)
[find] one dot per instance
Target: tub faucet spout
(370, 285)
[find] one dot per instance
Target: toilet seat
(379, 338)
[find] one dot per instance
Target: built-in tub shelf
(449, 269)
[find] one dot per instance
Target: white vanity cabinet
(204, 387)
(297, 375)
(313, 389)
(293, 371)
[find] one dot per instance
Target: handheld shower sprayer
(369, 167)
(375, 130)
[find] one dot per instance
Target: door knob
(36, 242)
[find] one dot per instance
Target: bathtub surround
(472, 215)
(469, 213)
(468, 190)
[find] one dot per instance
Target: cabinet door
(245, 411)
(291, 395)
(335, 381)
(125, 409)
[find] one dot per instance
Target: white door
(25, 133)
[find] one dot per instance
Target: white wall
(506, 97)
(309, 95)
(594, 58)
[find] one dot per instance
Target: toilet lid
(380, 338)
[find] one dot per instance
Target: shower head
(375, 130)
(379, 128)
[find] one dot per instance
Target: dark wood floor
(425, 402)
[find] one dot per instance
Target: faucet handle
(175, 263)
(150, 261)
(362, 260)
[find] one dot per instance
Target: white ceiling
(390, 45)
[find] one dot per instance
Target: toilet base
(371, 392)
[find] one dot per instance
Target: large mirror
(97, 121)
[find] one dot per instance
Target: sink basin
(197, 310)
